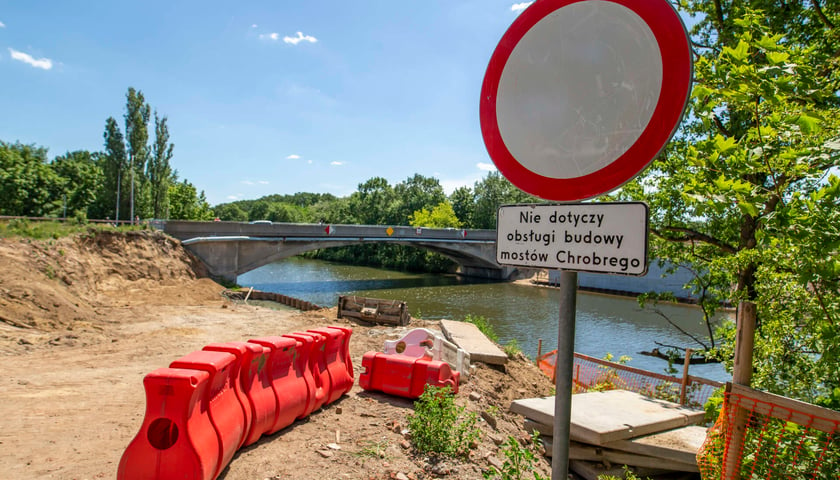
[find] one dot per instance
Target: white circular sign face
(581, 95)
(600, 64)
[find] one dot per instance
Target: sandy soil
(83, 319)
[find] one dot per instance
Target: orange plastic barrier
(177, 438)
(307, 366)
(290, 390)
(405, 376)
(336, 360)
(223, 406)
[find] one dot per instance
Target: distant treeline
(418, 201)
(131, 177)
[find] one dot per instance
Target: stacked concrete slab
(615, 428)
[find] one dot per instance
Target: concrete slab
(468, 337)
(602, 417)
(591, 453)
(681, 444)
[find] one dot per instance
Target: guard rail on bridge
(230, 249)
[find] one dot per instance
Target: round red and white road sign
(581, 95)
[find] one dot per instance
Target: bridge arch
(229, 249)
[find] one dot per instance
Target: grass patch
(43, 230)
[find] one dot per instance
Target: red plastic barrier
(247, 355)
(335, 349)
(306, 367)
(256, 386)
(224, 407)
(291, 391)
(405, 376)
(177, 438)
(345, 355)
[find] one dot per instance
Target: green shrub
(439, 426)
(519, 460)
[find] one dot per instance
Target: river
(604, 323)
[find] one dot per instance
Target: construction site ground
(83, 319)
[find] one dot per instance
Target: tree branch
(822, 16)
(721, 126)
(692, 235)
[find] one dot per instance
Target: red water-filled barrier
(210, 403)
(336, 360)
(177, 438)
(290, 390)
(223, 406)
(405, 376)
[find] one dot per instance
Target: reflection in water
(604, 324)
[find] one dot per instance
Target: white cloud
(233, 197)
(44, 63)
(2, 25)
(270, 36)
(293, 157)
(487, 167)
(518, 7)
(336, 163)
(253, 25)
(263, 182)
(309, 162)
(246, 182)
(300, 38)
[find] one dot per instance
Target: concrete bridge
(229, 249)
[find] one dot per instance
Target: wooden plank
(469, 337)
(680, 445)
(603, 417)
(591, 453)
(795, 411)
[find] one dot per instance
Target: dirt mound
(58, 284)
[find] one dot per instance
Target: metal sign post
(578, 98)
(563, 375)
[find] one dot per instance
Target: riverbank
(83, 319)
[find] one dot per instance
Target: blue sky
(263, 97)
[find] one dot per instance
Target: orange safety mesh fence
(594, 374)
(764, 436)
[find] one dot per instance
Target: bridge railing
(189, 229)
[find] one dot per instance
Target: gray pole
(563, 376)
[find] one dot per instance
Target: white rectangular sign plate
(586, 237)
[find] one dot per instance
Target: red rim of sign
(675, 51)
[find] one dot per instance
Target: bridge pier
(502, 273)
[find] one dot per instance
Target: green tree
(81, 180)
(415, 193)
(441, 216)
(186, 204)
(159, 171)
(492, 192)
(113, 166)
(137, 115)
(374, 203)
(746, 194)
(230, 212)
(28, 186)
(463, 204)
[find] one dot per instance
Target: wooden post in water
(684, 385)
(539, 352)
(741, 375)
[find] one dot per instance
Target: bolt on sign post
(578, 98)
